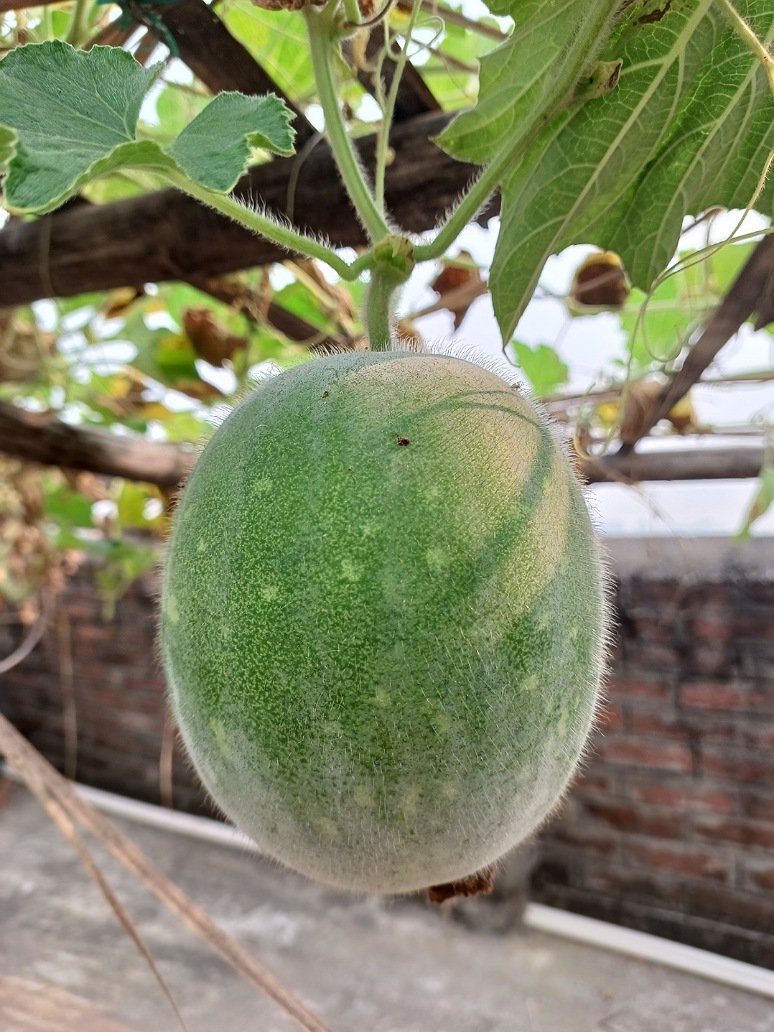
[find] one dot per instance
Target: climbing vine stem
(323, 43)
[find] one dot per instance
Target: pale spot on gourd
(350, 571)
(221, 738)
(437, 559)
(381, 697)
(529, 684)
(173, 613)
(449, 790)
(262, 485)
(269, 592)
(201, 545)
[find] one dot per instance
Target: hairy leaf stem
(266, 226)
(323, 42)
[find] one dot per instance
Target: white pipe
(562, 923)
(651, 948)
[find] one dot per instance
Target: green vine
(323, 42)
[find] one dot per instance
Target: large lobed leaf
(689, 126)
(68, 117)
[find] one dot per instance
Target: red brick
(713, 695)
(758, 805)
(652, 884)
(94, 633)
(710, 659)
(658, 656)
(758, 626)
(632, 818)
(760, 875)
(623, 687)
(590, 781)
(716, 628)
(653, 628)
(637, 752)
(761, 737)
(748, 766)
(697, 863)
(744, 832)
(589, 840)
(719, 903)
(659, 722)
(685, 796)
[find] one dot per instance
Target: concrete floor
(362, 965)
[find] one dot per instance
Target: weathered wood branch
(51, 442)
(168, 236)
(36, 438)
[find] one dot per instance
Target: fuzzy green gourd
(383, 619)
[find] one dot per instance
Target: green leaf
(67, 508)
(214, 149)
(74, 115)
(762, 501)
(689, 126)
(70, 111)
(542, 367)
(519, 79)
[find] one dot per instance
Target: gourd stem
(323, 42)
(266, 226)
(379, 309)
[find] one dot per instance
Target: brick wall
(670, 826)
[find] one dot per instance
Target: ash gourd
(383, 620)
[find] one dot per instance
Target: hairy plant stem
(323, 42)
(383, 134)
(560, 96)
(379, 309)
(264, 225)
(472, 201)
(748, 37)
